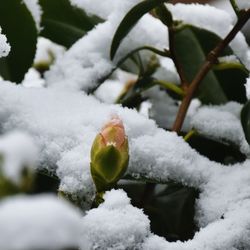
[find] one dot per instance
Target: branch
(210, 61)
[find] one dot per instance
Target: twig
(211, 59)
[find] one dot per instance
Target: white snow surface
(35, 10)
(222, 123)
(243, 4)
(38, 222)
(18, 150)
(87, 60)
(64, 123)
(115, 224)
(4, 46)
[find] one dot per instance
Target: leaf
(18, 25)
(171, 212)
(245, 120)
(170, 208)
(232, 78)
(192, 45)
(63, 23)
(130, 20)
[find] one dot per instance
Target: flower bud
(109, 155)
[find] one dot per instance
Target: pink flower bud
(109, 155)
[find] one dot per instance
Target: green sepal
(108, 165)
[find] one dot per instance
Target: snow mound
(115, 224)
(38, 222)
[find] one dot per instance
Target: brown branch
(211, 59)
(171, 34)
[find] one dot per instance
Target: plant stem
(211, 59)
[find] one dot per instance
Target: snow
(87, 60)
(222, 123)
(247, 86)
(47, 51)
(35, 10)
(243, 4)
(215, 20)
(104, 9)
(4, 46)
(115, 224)
(33, 79)
(64, 124)
(18, 150)
(38, 222)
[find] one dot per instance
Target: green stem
(170, 86)
(190, 134)
(234, 65)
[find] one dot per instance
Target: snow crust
(115, 224)
(38, 222)
(4, 46)
(35, 10)
(18, 151)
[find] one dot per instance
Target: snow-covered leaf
(130, 20)
(63, 23)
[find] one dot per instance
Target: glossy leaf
(217, 87)
(245, 120)
(19, 27)
(130, 20)
(63, 23)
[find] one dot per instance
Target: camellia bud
(109, 155)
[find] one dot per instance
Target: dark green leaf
(192, 45)
(245, 120)
(63, 23)
(19, 27)
(130, 20)
(232, 78)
